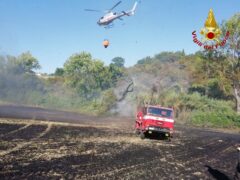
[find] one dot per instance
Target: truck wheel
(142, 135)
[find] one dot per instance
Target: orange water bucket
(106, 43)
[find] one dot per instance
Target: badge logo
(211, 34)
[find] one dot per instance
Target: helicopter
(107, 20)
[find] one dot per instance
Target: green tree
(27, 62)
(115, 73)
(232, 49)
(215, 67)
(59, 72)
(86, 75)
(102, 75)
(77, 71)
(118, 61)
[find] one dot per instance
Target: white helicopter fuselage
(111, 16)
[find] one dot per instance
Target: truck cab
(155, 119)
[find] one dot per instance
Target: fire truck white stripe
(158, 118)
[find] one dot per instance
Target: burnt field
(107, 148)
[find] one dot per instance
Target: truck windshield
(160, 112)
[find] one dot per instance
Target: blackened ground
(107, 148)
(25, 112)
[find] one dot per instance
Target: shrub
(215, 119)
(199, 110)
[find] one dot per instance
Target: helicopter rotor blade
(92, 10)
(115, 5)
(106, 11)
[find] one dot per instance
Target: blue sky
(53, 30)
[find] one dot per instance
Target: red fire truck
(154, 119)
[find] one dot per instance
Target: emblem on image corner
(212, 36)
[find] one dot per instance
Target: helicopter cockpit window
(101, 17)
(114, 13)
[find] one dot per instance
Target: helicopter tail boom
(132, 12)
(127, 13)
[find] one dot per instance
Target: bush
(210, 112)
(108, 101)
(215, 119)
(198, 110)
